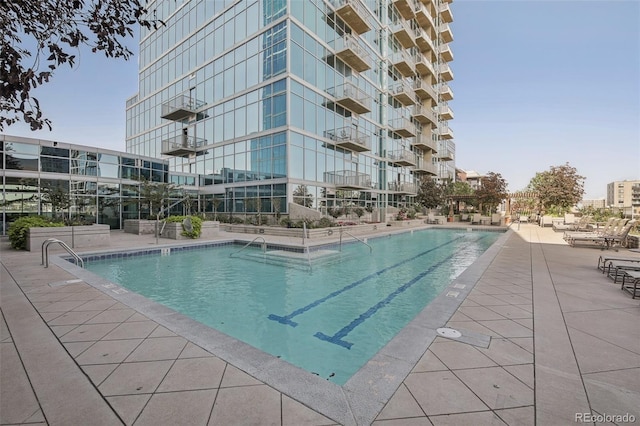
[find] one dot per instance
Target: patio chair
(496, 218)
(475, 218)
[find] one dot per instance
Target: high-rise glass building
(322, 103)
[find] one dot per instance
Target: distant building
(624, 195)
(594, 204)
(473, 178)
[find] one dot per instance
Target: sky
(536, 84)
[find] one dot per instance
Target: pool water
(328, 320)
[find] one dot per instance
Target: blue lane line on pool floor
(286, 319)
(336, 339)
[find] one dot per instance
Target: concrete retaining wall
(297, 232)
(73, 236)
(139, 226)
(174, 230)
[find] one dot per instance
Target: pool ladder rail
(353, 236)
(45, 252)
(264, 246)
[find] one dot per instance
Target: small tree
(430, 194)
(358, 211)
(492, 191)
(40, 35)
(560, 186)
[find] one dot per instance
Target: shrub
(18, 229)
(325, 222)
(196, 224)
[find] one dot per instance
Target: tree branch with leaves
(39, 36)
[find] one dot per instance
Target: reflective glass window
(54, 165)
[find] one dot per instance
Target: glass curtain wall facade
(322, 103)
(101, 186)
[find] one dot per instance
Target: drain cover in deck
(449, 332)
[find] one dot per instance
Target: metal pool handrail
(264, 245)
(45, 252)
(351, 235)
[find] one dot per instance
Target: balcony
(405, 7)
(447, 153)
(445, 52)
(403, 93)
(403, 63)
(403, 187)
(425, 143)
(180, 107)
(445, 72)
(423, 66)
(423, 16)
(182, 145)
(424, 90)
(402, 31)
(347, 179)
(424, 115)
(445, 132)
(352, 12)
(445, 112)
(445, 13)
(402, 157)
(425, 167)
(350, 52)
(350, 138)
(352, 98)
(403, 127)
(445, 33)
(424, 41)
(445, 92)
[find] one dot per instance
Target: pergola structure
(518, 197)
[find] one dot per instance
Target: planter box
(73, 236)
(174, 230)
(140, 227)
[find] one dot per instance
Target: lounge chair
(617, 268)
(570, 224)
(608, 240)
(496, 219)
(631, 283)
(608, 228)
(604, 262)
(475, 218)
(431, 219)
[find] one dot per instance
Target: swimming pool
(329, 320)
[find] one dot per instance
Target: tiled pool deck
(563, 340)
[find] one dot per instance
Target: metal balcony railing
(180, 107)
(348, 179)
(182, 145)
(349, 137)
